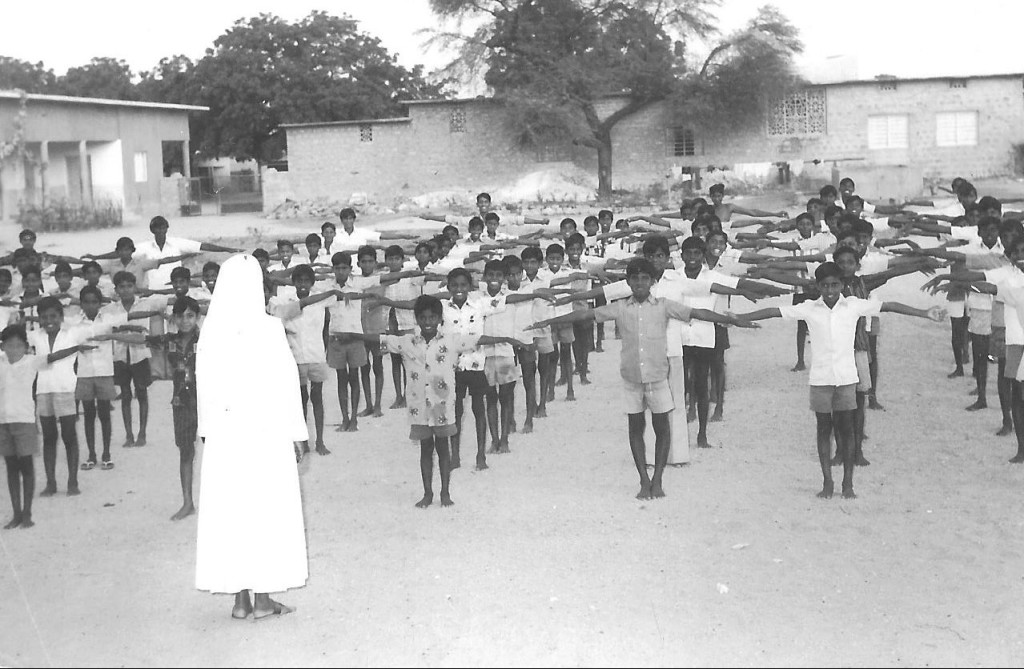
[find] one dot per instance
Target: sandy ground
(548, 559)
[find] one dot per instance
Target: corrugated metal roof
(67, 99)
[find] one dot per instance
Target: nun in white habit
(251, 532)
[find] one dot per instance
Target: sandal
(107, 464)
(89, 464)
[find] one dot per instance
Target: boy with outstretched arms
(525, 349)
(725, 211)
(832, 324)
(499, 362)
(346, 355)
(18, 436)
(400, 321)
(643, 321)
(537, 281)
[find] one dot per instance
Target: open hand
(937, 314)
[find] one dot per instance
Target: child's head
(494, 275)
(717, 243)
(423, 253)
(303, 278)
(567, 227)
(574, 246)
(845, 223)
(124, 248)
(990, 206)
(124, 285)
(92, 271)
(846, 187)
(483, 203)
(285, 249)
(63, 275)
(451, 233)
(966, 194)
(159, 226)
(181, 277)
(988, 230)
(828, 194)
(342, 264)
(91, 299)
(700, 227)
(429, 313)
(460, 282)
(848, 260)
(442, 245)
(262, 257)
(51, 314)
(604, 219)
(855, 205)
(692, 250)
(805, 224)
(1009, 231)
(14, 342)
(366, 257)
(591, 226)
(717, 193)
(1015, 252)
(27, 239)
(640, 278)
(394, 258)
(476, 228)
(313, 244)
(32, 279)
(832, 214)
(656, 251)
(816, 208)
(348, 218)
(185, 313)
(328, 231)
(829, 280)
(491, 223)
(211, 271)
(513, 271)
(555, 256)
(532, 258)
(865, 232)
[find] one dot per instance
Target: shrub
(63, 216)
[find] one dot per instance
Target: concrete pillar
(186, 160)
(44, 164)
(83, 159)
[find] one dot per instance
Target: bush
(63, 216)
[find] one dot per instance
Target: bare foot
(399, 403)
(1017, 459)
(129, 442)
(377, 413)
(862, 462)
(656, 490)
(14, 523)
(645, 491)
(827, 490)
(570, 397)
(702, 441)
(503, 447)
(512, 427)
(798, 367)
(977, 406)
(446, 499)
(481, 463)
(716, 417)
(584, 380)
(26, 523)
(186, 510)
(1005, 430)
(551, 394)
(873, 404)
(141, 440)
(848, 492)
(973, 393)
(541, 412)
(365, 413)
(49, 491)
(345, 422)
(528, 427)
(243, 606)
(560, 382)
(955, 373)
(276, 609)
(73, 490)
(353, 426)
(428, 499)
(321, 449)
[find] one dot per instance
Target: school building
(889, 133)
(91, 152)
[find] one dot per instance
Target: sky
(862, 38)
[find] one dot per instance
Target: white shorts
(640, 397)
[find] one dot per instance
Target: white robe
(251, 534)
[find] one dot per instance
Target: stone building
(889, 133)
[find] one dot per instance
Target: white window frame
(141, 160)
(896, 129)
(956, 128)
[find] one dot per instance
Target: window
(683, 141)
(800, 113)
(141, 167)
(958, 83)
(887, 85)
(365, 132)
(554, 151)
(887, 132)
(956, 129)
(457, 120)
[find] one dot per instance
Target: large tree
(265, 71)
(22, 75)
(554, 62)
(99, 78)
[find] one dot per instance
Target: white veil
(245, 373)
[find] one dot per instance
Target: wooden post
(186, 163)
(83, 160)
(44, 164)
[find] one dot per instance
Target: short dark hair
(427, 303)
(285, 244)
(211, 266)
(61, 268)
(986, 221)
(366, 251)
(827, 270)
(27, 234)
(182, 273)
(313, 238)
(303, 271)
(805, 216)
(847, 179)
(394, 251)
(845, 250)
(692, 243)
(90, 290)
(814, 201)
(124, 277)
(486, 196)
(718, 233)
(638, 266)
(91, 264)
(654, 244)
(32, 269)
(554, 249)
(49, 303)
(341, 258)
(989, 202)
(456, 273)
(6, 274)
(828, 192)
(186, 303)
(590, 219)
(492, 216)
(476, 222)
(328, 224)
(158, 221)
(512, 264)
(576, 239)
(419, 247)
(347, 212)
(862, 227)
(14, 332)
(605, 213)
(445, 229)
(717, 188)
(123, 242)
(965, 189)
(261, 254)
(833, 210)
(854, 198)
(565, 221)
(532, 253)
(495, 266)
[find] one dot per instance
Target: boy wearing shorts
(346, 354)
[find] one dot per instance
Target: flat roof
(68, 99)
(898, 80)
(441, 101)
(365, 121)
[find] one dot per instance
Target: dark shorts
(138, 374)
(583, 331)
(349, 354)
(997, 342)
(721, 338)
(472, 380)
(563, 334)
(18, 440)
(423, 432)
(698, 355)
(186, 424)
(1014, 354)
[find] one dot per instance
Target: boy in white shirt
(18, 436)
(500, 363)
(346, 355)
(832, 324)
(401, 321)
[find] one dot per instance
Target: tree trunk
(604, 166)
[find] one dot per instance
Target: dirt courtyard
(547, 558)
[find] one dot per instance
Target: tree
(555, 63)
(265, 71)
(22, 75)
(99, 78)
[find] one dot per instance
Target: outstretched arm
(217, 248)
(937, 314)
(742, 211)
(722, 319)
(63, 353)
(761, 314)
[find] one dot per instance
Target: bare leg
(543, 372)
(718, 384)
(89, 410)
(824, 453)
(343, 398)
(979, 346)
(801, 345)
(637, 426)
(103, 413)
(565, 356)
(1018, 420)
(126, 416)
(264, 606)
(506, 397)
(444, 465)
(28, 486)
(378, 383)
(398, 377)
(844, 422)
(958, 340)
(427, 472)
(13, 465)
(364, 372)
(858, 431)
(1005, 387)
(49, 425)
(701, 372)
(662, 440)
(243, 606)
(142, 394)
(460, 410)
(316, 397)
(530, 388)
(491, 399)
(873, 373)
(353, 384)
(69, 435)
(480, 417)
(186, 456)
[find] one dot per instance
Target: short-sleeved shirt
(643, 325)
(403, 291)
(979, 256)
(305, 330)
(430, 370)
(132, 353)
(346, 316)
(468, 321)
(181, 355)
(16, 402)
(673, 285)
(59, 376)
(1007, 279)
(499, 323)
(344, 241)
(173, 246)
(98, 362)
(139, 267)
(375, 318)
(832, 333)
